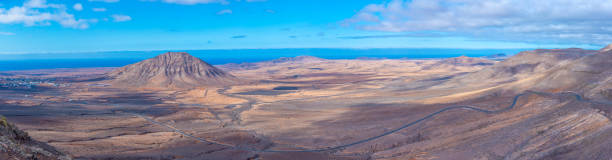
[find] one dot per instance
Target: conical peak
(171, 69)
(175, 55)
(178, 58)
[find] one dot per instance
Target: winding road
(577, 96)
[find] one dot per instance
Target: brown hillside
(172, 69)
(16, 144)
(524, 65)
(591, 75)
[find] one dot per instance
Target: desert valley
(538, 104)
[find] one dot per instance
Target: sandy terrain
(311, 103)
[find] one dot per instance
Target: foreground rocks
(16, 144)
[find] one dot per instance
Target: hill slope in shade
(172, 69)
(16, 144)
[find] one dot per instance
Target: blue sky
(39, 26)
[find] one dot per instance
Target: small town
(29, 83)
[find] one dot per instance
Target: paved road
(577, 96)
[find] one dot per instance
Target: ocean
(10, 62)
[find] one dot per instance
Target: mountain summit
(172, 69)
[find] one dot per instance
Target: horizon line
(227, 49)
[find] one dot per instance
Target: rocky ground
(305, 103)
(16, 144)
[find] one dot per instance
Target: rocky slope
(590, 74)
(524, 69)
(543, 126)
(170, 70)
(17, 145)
(527, 63)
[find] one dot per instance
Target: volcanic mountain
(170, 70)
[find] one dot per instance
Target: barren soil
(309, 104)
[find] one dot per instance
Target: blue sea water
(9, 62)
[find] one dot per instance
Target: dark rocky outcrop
(15, 144)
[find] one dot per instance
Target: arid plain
(286, 108)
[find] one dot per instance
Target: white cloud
(99, 9)
(192, 2)
(565, 20)
(39, 12)
(36, 4)
(121, 18)
(7, 33)
(225, 11)
(107, 1)
(78, 7)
